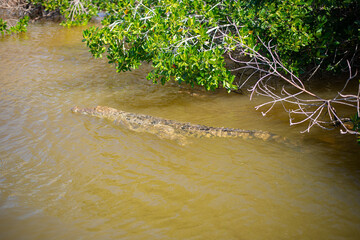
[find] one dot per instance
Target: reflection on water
(65, 176)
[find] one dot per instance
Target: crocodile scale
(170, 128)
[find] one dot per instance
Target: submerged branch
(300, 101)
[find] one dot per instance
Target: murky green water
(66, 176)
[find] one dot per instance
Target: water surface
(66, 176)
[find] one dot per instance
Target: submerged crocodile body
(172, 129)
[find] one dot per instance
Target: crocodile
(172, 129)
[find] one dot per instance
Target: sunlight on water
(67, 176)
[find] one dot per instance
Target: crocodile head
(99, 111)
(85, 111)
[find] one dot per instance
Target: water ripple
(65, 176)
